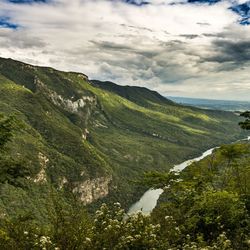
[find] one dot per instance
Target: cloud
(11, 39)
(236, 52)
(189, 49)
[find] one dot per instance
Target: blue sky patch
(244, 11)
(5, 23)
(204, 1)
(27, 1)
(136, 2)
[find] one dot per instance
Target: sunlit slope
(89, 131)
(159, 133)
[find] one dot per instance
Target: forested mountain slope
(92, 138)
(209, 201)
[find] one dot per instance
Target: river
(149, 199)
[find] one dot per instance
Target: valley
(149, 199)
(69, 144)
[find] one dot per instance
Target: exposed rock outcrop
(63, 181)
(67, 104)
(91, 190)
(41, 177)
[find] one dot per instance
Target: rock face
(63, 181)
(71, 106)
(91, 190)
(67, 104)
(85, 134)
(41, 177)
(83, 77)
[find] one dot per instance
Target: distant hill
(92, 138)
(226, 105)
(139, 95)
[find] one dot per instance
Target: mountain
(139, 95)
(93, 139)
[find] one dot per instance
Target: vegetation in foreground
(245, 124)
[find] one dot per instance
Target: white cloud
(165, 47)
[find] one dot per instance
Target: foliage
(70, 224)
(246, 123)
(113, 230)
(110, 229)
(211, 198)
(22, 233)
(11, 170)
(6, 130)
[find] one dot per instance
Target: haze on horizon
(191, 48)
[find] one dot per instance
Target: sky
(191, 48)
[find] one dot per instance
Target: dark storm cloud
(106, 45)
(203, 24)
(170, 61)
(136, 27)
(189, 36)
(136, 2)
(159, 61)
(122, 48)
(237, 53)
(209, 35)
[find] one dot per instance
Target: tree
(215, 212)
(112, 229)
(246, 123)
(11, 170)
(7, 125)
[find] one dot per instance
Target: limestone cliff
(91, 190)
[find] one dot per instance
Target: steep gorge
(80, 137)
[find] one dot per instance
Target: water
(149, 199)
(147, 202)
(184, 164)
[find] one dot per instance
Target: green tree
(215, 212)
(7, 125)
(70, 223)
(11, 170)
(114, 230)
(245, 124)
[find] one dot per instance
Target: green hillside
(139, 95)
(210, 204)
(92, 139)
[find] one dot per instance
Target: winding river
(149, 199)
